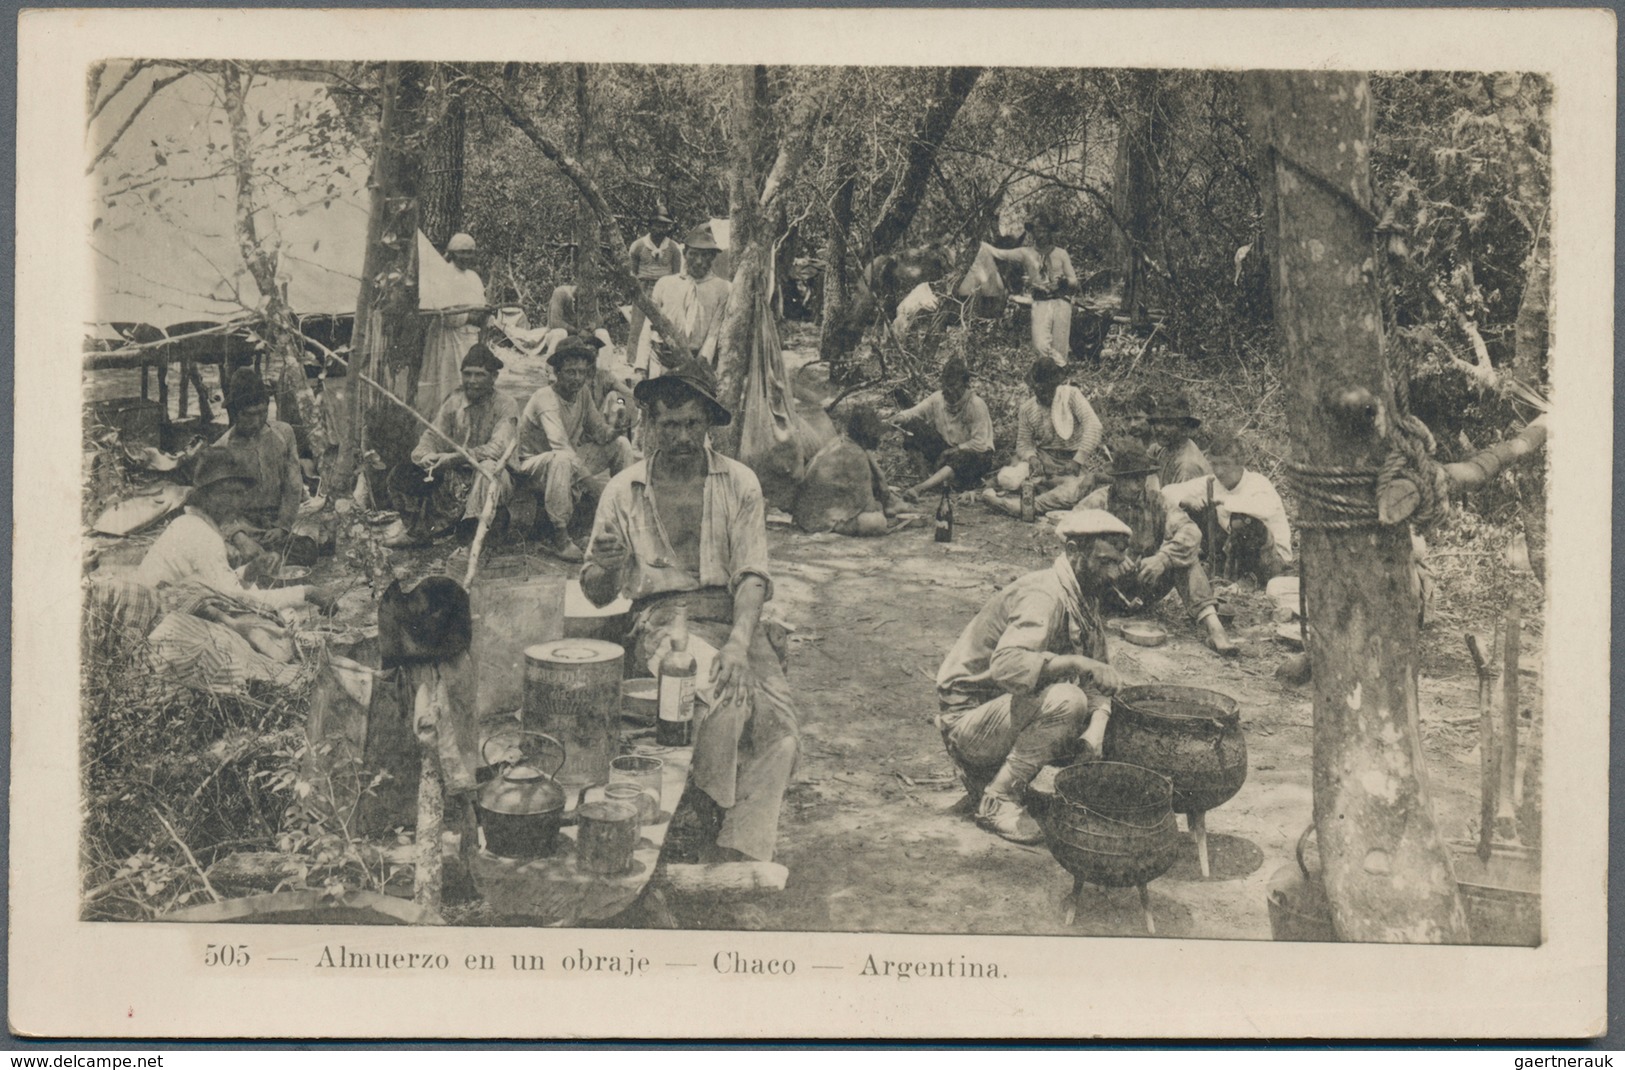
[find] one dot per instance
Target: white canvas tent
(163, 236)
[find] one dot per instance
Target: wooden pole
(1386, 867)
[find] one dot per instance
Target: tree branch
(588, 189)
(904, 200)
(152, 91)
(135, 68)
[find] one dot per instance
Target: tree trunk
(442, 199)
(1386, 869)
(586, 265)
(1138, 133)
(953, 87)
(838, 335)
(283, 338)
(387, 329)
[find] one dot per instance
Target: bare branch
(135, 68)
(152, 91)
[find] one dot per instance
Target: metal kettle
(522, 807)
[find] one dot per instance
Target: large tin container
(573, 693)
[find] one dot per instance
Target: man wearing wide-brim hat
(650, 259)
(693, 300)
(1164, 548)
(1171, 423)
(270, 527)
(193, 550)
(439, 489)
(1027, 684)
(685, 529)
(567, 450)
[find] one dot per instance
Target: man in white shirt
(693, 299)
(192, 549)
(650, 259)
(1256, 537)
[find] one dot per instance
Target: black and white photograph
(569, 504)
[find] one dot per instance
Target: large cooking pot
(1111, 824)
(521, 808)
(1189, 734)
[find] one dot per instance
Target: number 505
(225, 955)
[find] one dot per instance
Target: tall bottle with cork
(674, 726)
(945, 516)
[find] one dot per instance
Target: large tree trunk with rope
(284, 341)
(1386, 868)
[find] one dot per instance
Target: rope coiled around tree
(1344, 497)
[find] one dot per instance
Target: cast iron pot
(1190, 735)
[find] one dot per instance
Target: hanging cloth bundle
(774, 439)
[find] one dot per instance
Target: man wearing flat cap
(567, 450)
(1027, 684)
(693, 299)
(1164, 548)
(685, 529)
(439, 488)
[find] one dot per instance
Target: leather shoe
(1009, 819)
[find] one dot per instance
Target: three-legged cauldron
(1190, 735)
(1113, 825)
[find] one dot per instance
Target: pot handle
(570, 817)
(551, 773)
(1303, 838)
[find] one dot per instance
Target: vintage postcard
(841, 523)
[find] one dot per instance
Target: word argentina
(903, 971)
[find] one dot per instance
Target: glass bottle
(945, 517)
(674, 726)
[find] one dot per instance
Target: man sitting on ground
(1057, 433)
(844, 490)
(1256, 539)
(268, 527)
(951, 432)
(439, 490)
(1177, 456)
(686, 529)
(1027, 684)
(1164, 546)
(567, 451)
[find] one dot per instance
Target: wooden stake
(1506, 816)
(1145, 908)
(426, 873)
(487, 511)
(1197, 823)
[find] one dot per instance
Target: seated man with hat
(192, 548)
(693, 299)
(1163, 548)
(1244, 512)
(685, 530)
(439, 487)
(1170, 424)
(950, 431)
(1027, 684)
(269, 527)
(567, 451)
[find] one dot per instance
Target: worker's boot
(1001, 811)
(564, 548)
(1217, 640)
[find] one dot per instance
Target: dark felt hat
(954, 369)
(688, 380)
(246, 390)
(480, 356)
(1130, 459)
(701, 238)
(1175, 408)
(579, 346)
(430, 622)
(218, 464)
